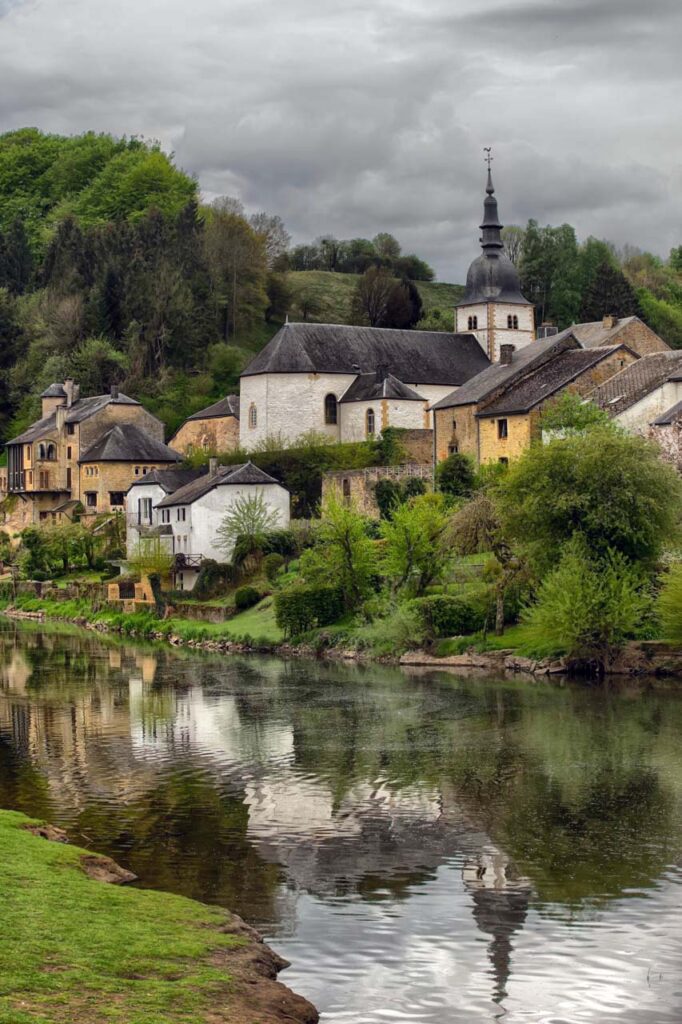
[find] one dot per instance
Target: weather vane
(488, 159)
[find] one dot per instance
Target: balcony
(182, 560)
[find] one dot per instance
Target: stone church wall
(215, 435)
(356, 486)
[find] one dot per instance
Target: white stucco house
(184, 509)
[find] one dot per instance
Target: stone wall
(640, 338)
(356, 486)
(669, 439)
(215, 435)
(418, 446)
(456, 427)
(520, 432)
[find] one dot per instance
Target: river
(423, 847)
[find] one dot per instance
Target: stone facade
(495, 325)
(669, 440)
(103, 485)
(456, 430)
(356, 486)
(215, 435)
(418, 446)
(386, 412)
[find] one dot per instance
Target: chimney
(68, 387)
(609, 321)
(76, 392)
(114, 391)
(547, 329)
(506, 353)
(212, 466)
(60, 414)
(381, 373)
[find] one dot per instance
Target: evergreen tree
(609, 292)
(16, 260)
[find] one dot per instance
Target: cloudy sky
(371, 115)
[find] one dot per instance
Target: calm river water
(422, 847)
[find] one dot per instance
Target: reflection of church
(500, 904)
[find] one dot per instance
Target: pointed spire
(491, 238)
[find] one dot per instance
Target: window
(68, 453)
(454, 424)
(253, 416)
(28, 452)
(512, 323)
(91, 499)
(70, 429)
(52, 452)
(68, 478)
(116, 498)
(145, 470)
(472, 323)
(345, 486)
(41, 451)
(145, 510)
(453, 449)
(370, 421)
(503, 460)
(165, 515)
(30, 478)
(181, 515)
(206, 444)
(137, 470)
(330, 409)
(44, 480)
(502, 429)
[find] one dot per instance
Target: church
(350, 383)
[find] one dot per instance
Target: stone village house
(211, 430)
(82, 451)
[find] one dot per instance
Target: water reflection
(422, 847)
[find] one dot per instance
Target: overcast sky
(366, 115)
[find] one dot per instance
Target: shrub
(246, 597)
(281, 542)
(455, 475)
(214, 578)
(301, 608)
(587, 606)
(442, 615)
(670, 605)
(272, 563)
(402, 630)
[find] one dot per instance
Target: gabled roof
(420, 357)
(228, 406)
(637, 380)
(79, 411)
(246, 473)
(595, 335)
(671, 415)
(367, 388)
(54, 391)
(547, 380)
(127, 443)
(496, 375)
(170, 479)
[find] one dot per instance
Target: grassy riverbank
(78, 950)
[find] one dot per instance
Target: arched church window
(330, 409)
(253, 416)
(370, 421)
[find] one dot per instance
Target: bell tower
(493, 307)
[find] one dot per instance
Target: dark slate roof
(496, 375)
(366, 388)
(54, 391)
(127, 443)
(228, 406)
(637, 380)
(492, 277)
(547, 380)
(79, 411)
(671, 415)
(246, 473)
(421, 357)
(170, 479)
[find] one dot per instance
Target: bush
(455, 475)
(281, 542)
(442, 615)
(272, 563)
(403, 629)
(301, 608)
(670, 605)
(214, 578)
(246, 597)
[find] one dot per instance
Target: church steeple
(491, 237)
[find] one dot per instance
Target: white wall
(498, 313)
(288, 404)
(137, 493)
(401, 413)
(637, 418)
(205, 515)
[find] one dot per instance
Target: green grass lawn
(77, 951)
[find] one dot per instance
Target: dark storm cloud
(364, 116)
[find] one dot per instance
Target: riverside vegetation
(568, 553)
